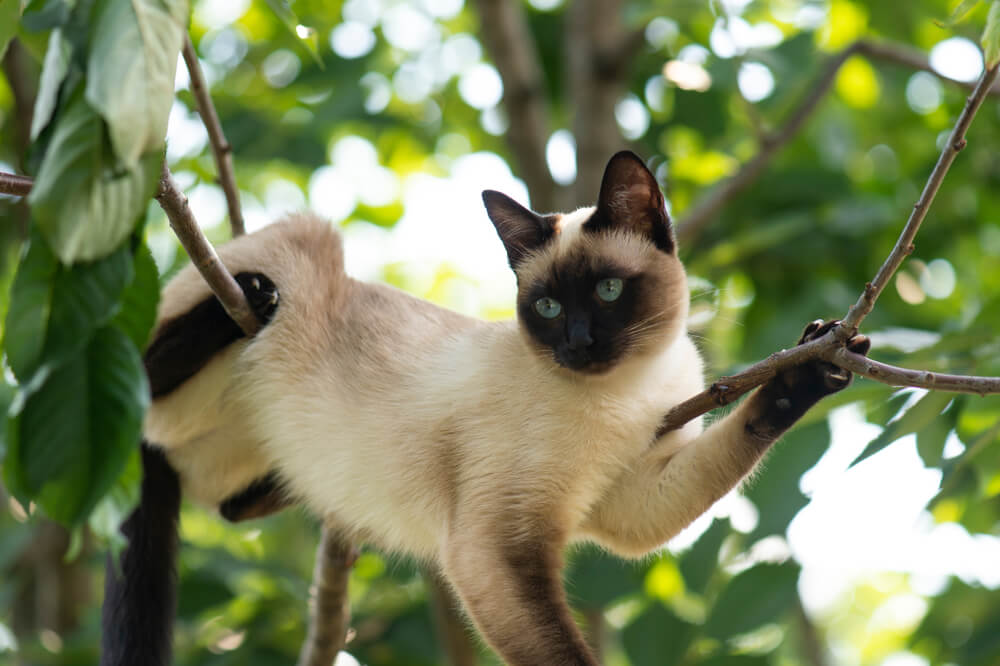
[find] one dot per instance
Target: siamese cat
(480, 448)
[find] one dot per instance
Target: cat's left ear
(631, 199)
(521, 230)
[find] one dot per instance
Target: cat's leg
(668, 488)
(183, 345)
(511, 586)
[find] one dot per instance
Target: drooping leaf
(84, 201)
(138, 302)
(75, 433)
(130, 70)
(919, 416)
(30, 306)
(84, 298)
(283, 10)
(42, 15)
(753, 598)
(932, 437)
(54, 70)
(961, 11)
(991, 35)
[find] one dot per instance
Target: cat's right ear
(521, 230)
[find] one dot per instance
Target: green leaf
(776, 490)
(917, 417)
(54, 70)
(30, 306)
(283, 10)
(42, 15)
(991, 36)
(10, 17)
(961, 11)
(753, 598)
(130, 70)
(931, 439)
(6, 398)
(138, 303)
(76, 432)
(83, 200)
(657, 637)
(84, 298)
(594, 578)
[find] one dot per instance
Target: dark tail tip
(139, 594)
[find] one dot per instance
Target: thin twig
(221, 150)
(329, 609)
(202, 254)
(14, 185)
(831, 346)
(904, 246)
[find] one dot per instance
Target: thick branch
(329, 608)
(709, 205)
(904, 246)
(202, 254)
(18, 186)
(221, 150)
(505, 32)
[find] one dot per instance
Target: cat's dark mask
(599, 284)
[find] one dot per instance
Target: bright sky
(860, 522)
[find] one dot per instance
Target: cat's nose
(578, 334)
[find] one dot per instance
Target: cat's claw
(833, 378)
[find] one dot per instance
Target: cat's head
(600, 285)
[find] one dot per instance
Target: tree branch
(904, 246)
(709, 205)
(330, 611)
(831, 346)
(221, 150)
(507, 37)
(203, 255)
(14, 185)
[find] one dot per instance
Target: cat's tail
(139, 590)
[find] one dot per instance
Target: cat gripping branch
(481, 448)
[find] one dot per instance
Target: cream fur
(437, 435)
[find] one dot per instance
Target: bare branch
(203, 255)
(911, 58)
(505, 32)
(329, 608)
(14, 185)
(221, 150)
(904, 246)
(896, 376)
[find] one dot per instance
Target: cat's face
(600, 285)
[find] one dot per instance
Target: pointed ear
(631, 199)
(520, 229)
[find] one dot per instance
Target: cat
(479, 448)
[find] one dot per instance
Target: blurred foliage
(292, 81)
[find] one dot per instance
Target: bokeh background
(872, 533)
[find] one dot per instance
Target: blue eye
(548, 308)
(609, 289)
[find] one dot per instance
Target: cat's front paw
(261, 293)
(822, 377)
